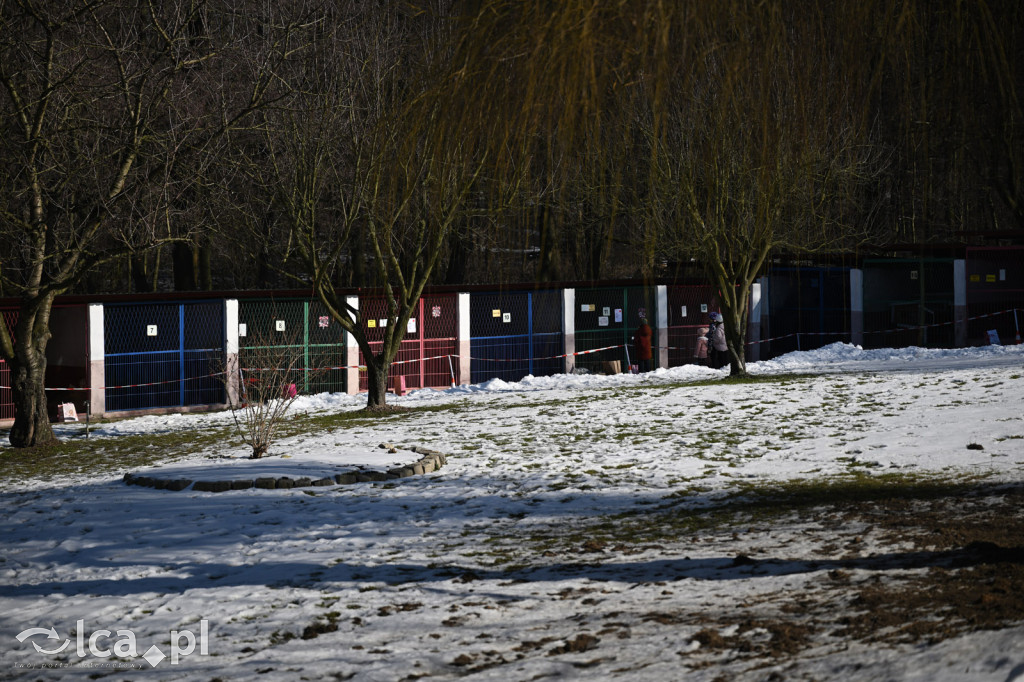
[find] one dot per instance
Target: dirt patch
(897, 571)
(956, 566)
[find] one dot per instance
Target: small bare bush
(267, 387)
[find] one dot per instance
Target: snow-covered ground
(515, 561)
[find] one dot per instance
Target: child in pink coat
(700, 351)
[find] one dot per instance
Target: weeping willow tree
(761, 145)
(727, 132)
(709, 131)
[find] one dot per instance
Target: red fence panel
(429, 341)
(688, 308)
(9, 318)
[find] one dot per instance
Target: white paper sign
(506, 317)
(150, 330)
(606, 311)
(67, 413)
(279, 325)
(383, 322)
(242, 329)
(602, 321)
(618, 314)
(684, 311)
(703, 307)
(411, 327)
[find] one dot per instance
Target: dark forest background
(185, 145)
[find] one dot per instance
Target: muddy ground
(897, 570)
(904, 567)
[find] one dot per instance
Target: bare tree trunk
(28, 370)
(31, 419)
(205, 276)
(377, 383)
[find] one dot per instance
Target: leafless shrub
(270, 379)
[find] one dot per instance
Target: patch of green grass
(678, 518)
(108, 455)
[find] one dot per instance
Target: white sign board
(150, 330)
(66, 412)
(279, 325)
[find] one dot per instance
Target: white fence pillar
(662, 322)
(569, 328)
(465, 358)
(231, 350)
(352, 349)
(856, 306)
(97, 371)
(754, 324)
(960, 302)
(766, 309)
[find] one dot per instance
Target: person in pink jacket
(700, 350)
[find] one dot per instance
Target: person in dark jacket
(642, 339)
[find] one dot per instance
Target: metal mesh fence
(908, 302)
(163, 355)
(608, 317)
(995, 293)
(808, 308)
(9, 318)
(297, 333)
(515, 334)
(429, 341)
(688, 308)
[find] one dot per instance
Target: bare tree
(111, 111)
(366, 169)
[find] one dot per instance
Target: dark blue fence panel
(163, 355)
(548, 335)
(515, 334)
(995, 294)
(809, 307)
(908, 302)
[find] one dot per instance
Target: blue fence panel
(515, 334)
(809, 307)
(163, 355)
(995, 293)
(908, 302)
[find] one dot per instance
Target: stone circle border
(430, 461)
